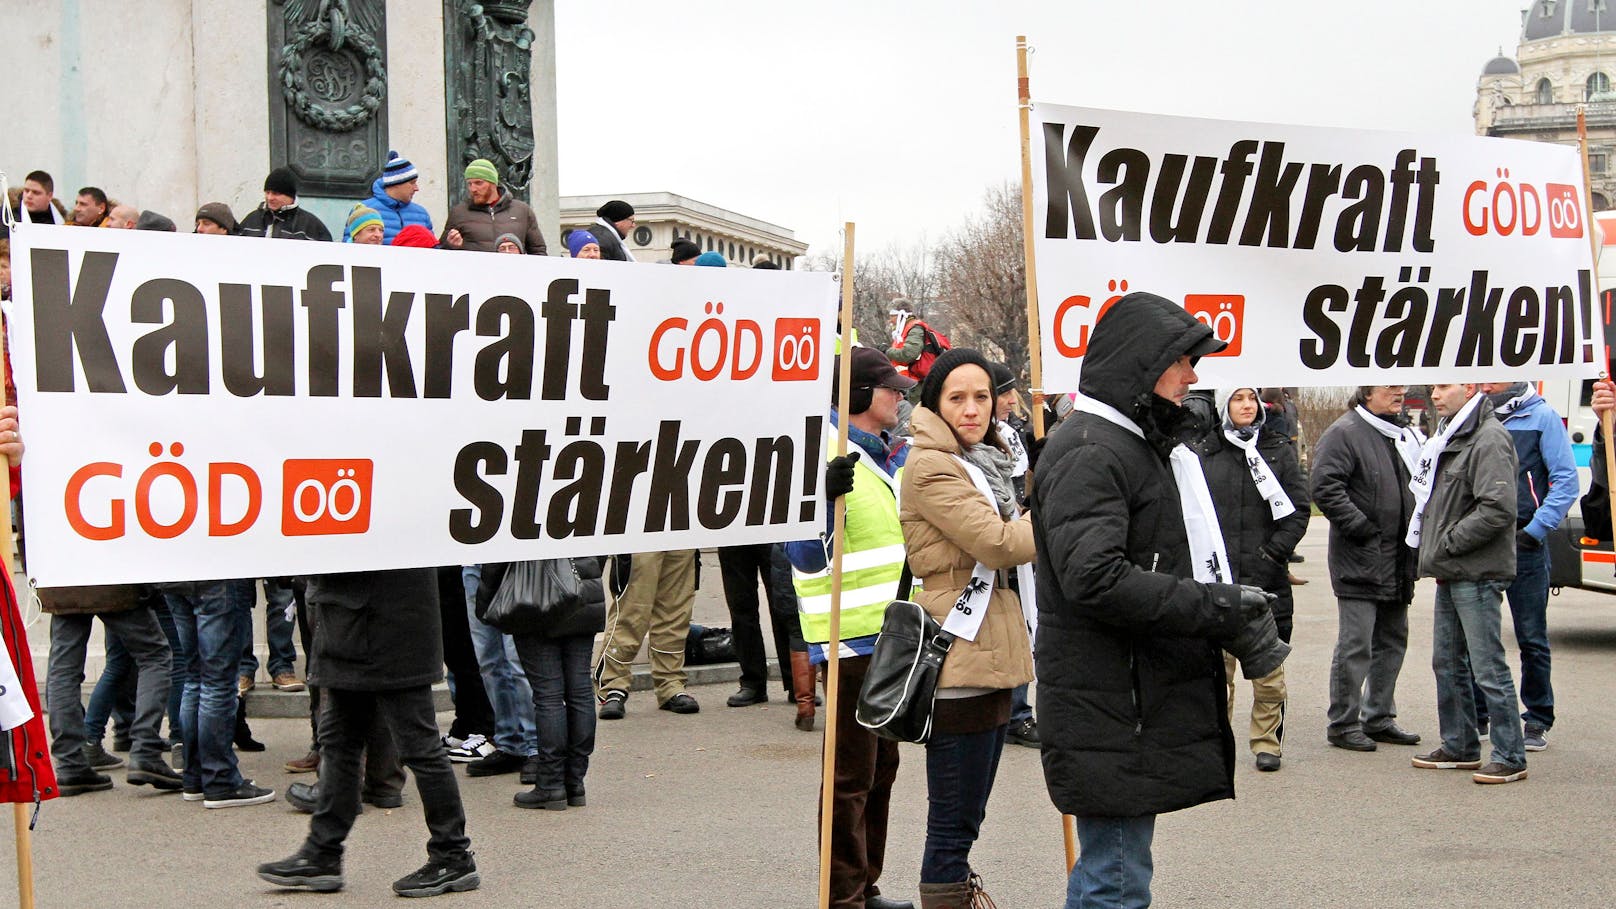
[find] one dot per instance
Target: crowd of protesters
(1145, 549)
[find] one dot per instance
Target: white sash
(965, 619)
(1207, 554)
(14, 707)
(1262, 473)
(1425, 476)
(1406, 439)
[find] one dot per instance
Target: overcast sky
(897, 115)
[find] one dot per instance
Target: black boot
(244, 737)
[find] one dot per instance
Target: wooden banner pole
(827, 778)
(1605, 419)
(1024, 106)
(19, 810)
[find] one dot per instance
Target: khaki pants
(1267, 706)
(657, 600)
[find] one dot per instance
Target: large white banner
(1323, 256)
(214, 407)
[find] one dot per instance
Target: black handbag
(533, 595)
(900, 686)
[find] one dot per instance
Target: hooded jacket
(1258, 546)
(1360, 483)
(1546, 484)
(481, 225)
(289, 223)
(1132, 708)
(395, 215)
(948, 527)
(1468, 529)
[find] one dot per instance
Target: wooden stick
(1034, 329)
(1024, 103)
(19, 810)
(1605, 422)
(827, 779)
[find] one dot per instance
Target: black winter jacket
(1131, 698)
(375, 630)
(290, 223)
(588, 618)
(1360, 483)
(1258, 547)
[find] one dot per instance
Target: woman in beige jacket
(960, 519)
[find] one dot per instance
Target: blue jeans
(176, 678)
(278, 612)
(213, 619)
(1020, 706)
(558, 669)
(960, 767)
(1466, 642)
(116, 684)
(503, 679)
(1529, 607)
(1114, 865)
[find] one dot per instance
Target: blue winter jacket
(395, 214)
(1546, 483)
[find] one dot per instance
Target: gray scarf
(997, 464)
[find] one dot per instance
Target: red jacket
(30, 743)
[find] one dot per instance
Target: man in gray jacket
(1464, 526)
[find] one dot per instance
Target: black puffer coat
(375, 630)
(588, 618)
(1259, 547)
(1131, 698)
(1361, 485)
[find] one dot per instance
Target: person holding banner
(1261, 500)
(867, 477)
(1361, 468)
(1134, 608)
(962, 529)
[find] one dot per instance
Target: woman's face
(1243, 406)
(966, 403)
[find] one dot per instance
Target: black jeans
(741, 568)
(557, 670)
(345, 725)
(473, 712)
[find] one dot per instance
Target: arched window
(1597, 83)
(1545, 92)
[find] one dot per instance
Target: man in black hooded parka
(1131, 699)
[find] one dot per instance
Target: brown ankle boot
(802, 688)
(979, 898)
(946, 896)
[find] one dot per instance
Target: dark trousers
(557, 671)
(960, 767)
(1529, 609)
(473, 712)
(742, 567)
(347, 718)
(64, 678)
(305, 634)
(866, 766)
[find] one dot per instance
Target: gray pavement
(718, 809)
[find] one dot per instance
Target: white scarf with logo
(1262, 474)
(1406, 439)
(1424, 477)
(1210, 559)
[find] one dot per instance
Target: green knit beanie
(482, 169)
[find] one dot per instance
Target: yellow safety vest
(872, 561)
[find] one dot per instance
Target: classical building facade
(665, 217)
(1566, 59)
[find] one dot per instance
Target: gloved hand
(1256, 644)
(839, 476)
(1524, 540)
(1035, 448)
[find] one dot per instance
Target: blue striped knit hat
(398, 170)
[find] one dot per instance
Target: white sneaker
(473, 747)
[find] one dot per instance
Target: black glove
(1035, 447)
(1524, 540)
(1274, 554)
(839, 476)
(1256, 644)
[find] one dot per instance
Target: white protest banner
(1323, 256)
(216, 407)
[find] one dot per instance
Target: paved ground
(718, 810)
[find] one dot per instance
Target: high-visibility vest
(872, 561)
